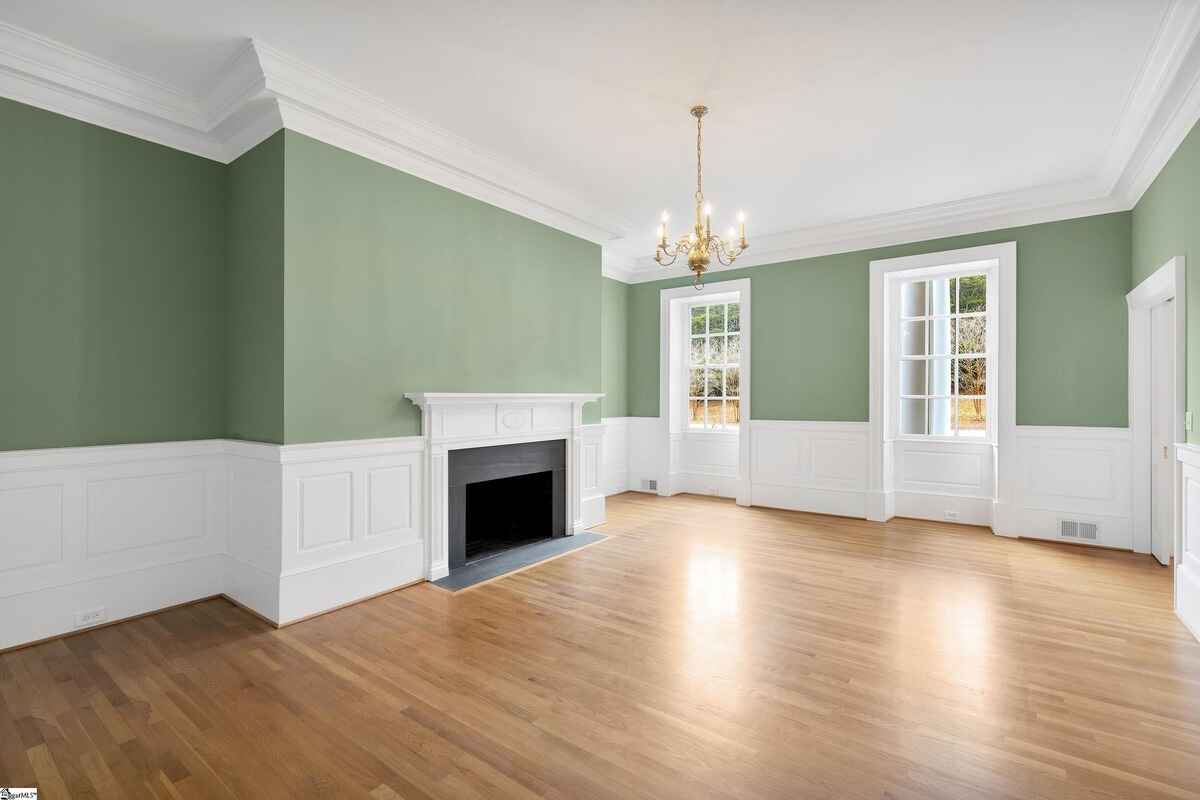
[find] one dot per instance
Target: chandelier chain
(699, 168)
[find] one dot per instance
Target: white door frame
(1166, 283)
(671, 370)
(881, 495)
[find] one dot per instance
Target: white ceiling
(823, 111)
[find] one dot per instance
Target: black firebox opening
(508, 512)
(504, 496)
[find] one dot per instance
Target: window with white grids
(713, 364)
(943, 356)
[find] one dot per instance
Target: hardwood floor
(703, 651)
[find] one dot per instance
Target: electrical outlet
(952, 515)
(93, 616)
(1187, 420)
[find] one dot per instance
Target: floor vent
(650, 486)
(1074, 529)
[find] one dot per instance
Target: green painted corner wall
(810, 324)
(393, 285)
(254, 295)
(614, 347)
(112, 286)
(1166, 223)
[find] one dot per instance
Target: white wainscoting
(1070, 473)
(1064, 473)
(118, 531)
(592, 490)
(614, 462)
(286, 531)
(708, 464)
(941, 480)
(351, 522)
(647, 461)
(809, 466)
(1187, 539)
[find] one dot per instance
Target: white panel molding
(1187, 545)
(614, 468)
(810, 466)
(591, 474)
(262, 89)
(286, 531)
(1069, 473)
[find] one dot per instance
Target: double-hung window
(714, 371)
(943, 354)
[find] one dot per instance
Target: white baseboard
(252, 588)
(593, 512)
(944, 507)
(1187, 594)
(1022, 522)
(842, 503)
(45, 613)
(315, 591)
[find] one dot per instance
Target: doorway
(1157, 387)
(1162, 414)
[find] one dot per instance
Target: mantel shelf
(423, 399)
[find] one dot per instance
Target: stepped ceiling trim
(262, 89)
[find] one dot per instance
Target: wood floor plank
(703, 650)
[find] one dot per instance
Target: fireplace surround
(456, 421)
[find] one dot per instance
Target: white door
(1162, 411)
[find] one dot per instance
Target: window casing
(944, 356)
(714, 367)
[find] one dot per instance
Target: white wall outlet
(93, 616)
(1187, 420)
(951, 515)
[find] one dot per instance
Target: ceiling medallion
(701, 244)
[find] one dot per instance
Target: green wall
(112, 286)
(810, 327)
(393, 285)
(297, 293)
(254, 296)
(1166, 223)
(614, 347)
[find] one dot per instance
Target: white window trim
(672, 357)
(895, 279)
(689, 429)
(1003, 369)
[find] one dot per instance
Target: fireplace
(503, 497)
(455, 424)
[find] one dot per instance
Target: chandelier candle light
(701, 243)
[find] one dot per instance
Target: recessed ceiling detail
(855, 125)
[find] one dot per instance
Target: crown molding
(261, 90)
(318, 105)
(975, 215)
(617, 266)
(1163, 108)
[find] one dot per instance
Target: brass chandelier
(701, 244)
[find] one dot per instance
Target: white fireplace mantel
(456, 420)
